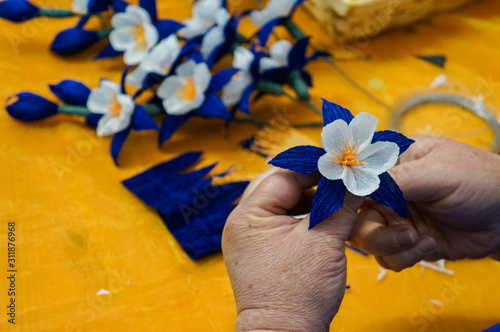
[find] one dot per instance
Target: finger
(278, 192)
(304, 205)
(371, 234)
(251, 187)
(405, 259)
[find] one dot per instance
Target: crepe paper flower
(353, 157)
(191, 206)
(192, 90)
(286, 65)
(219, 40)
(203, 18)
(84, 7)
(159, 60)
(276, 12)
(71, 92)
(27, 107)
(74, 40)
(18, 10)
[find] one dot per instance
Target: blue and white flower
(233, 91)
(159, 60)
(84, 7)
(353, 157)
(215, 36)
(204, 13)
(278, 56)
(185, 91)
(134, 33)
(117, 108)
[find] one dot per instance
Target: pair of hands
(288, 278)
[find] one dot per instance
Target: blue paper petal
(152, 80)
(142, 120)
(306, 77)
(220, 79)
(119, 6)
(332, 112)
(244, 104)
(319, 54)
(82, 21)
(18, 10)
(167, 27)
(117, 143)
(170, 124)
(495, 328)
(266, 30)
(73, 40)
(390, 195)
(150, 7)
(108, 52)
(27, 106)
(297, 55)
(328, 199)
(93, 119)
(213, 107)
(71, 92)
(301, 159)
(97, 6)
(391, 136)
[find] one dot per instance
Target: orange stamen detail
(114, 107)
(188, 90)
(139, 35)
(348, 155)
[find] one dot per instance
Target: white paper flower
(80, 6)
(231, 93)
(185, 91)
(159, 60)
(274, 9)
(117, 108)
(215, 36)
(352, 157)
(278, 56)
(133, 33)
(203, 18)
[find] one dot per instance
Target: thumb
(339, 224)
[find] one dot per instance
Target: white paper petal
(109, 125)
(268, 63)
(134, 55)
(380, 156)
(186, 69)
(279, 51)
(80, 6)
(231, 93)
(211, 40)
(206, 9)
(97, 102)
(121, 39)
(176, 106)
(127, 104)
(329, 169)
(221, 17)
(243, 58)
(138, 13)
(151, 35)
(359, 181)
(136, 77)
(333, 136)
(109, 88)
(121, 20)
(362, 128)
(194, 27)
(201, 77)
(169, 87)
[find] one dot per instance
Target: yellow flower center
(348, 155)
(188, 90)
(114, 107)
(139, 36)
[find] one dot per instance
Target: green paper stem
(74, 110)
(104, 33)
(272, 88)
(153, 109)
(299, 85)
(307, 103)
(51, 12)
(294, 29)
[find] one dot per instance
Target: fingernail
(405, 238)
(427, 244)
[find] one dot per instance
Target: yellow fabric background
(79, 230)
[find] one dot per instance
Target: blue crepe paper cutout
(220, 79)
(213, 107)
(437, 60)
(150, 7)
(293, 159)
(117, 143)
(141, 120)
(332, 112)
(167, 27)
(307, 78)
(266, 30)
(119, 6)
(170, 124)
(348, 287)
(244, 104)
(82, 21)
(390, 195)
(73, 40)
(108, 52)
(359, 251)
(225, 47)
(152, 79)
(495, 328)
(93, 119)
(97, 6)
(402, 141)
(297, 55)
(192, 209)
(71, 92)
(30, 107)
(328, 199)
(18, 10)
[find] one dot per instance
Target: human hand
(453, 194)
(284, 276)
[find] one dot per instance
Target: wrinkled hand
(453, 194)
(284, 276)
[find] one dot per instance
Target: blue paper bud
(18, 10)
(27, 106)
(71, 92)
(73, 40)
